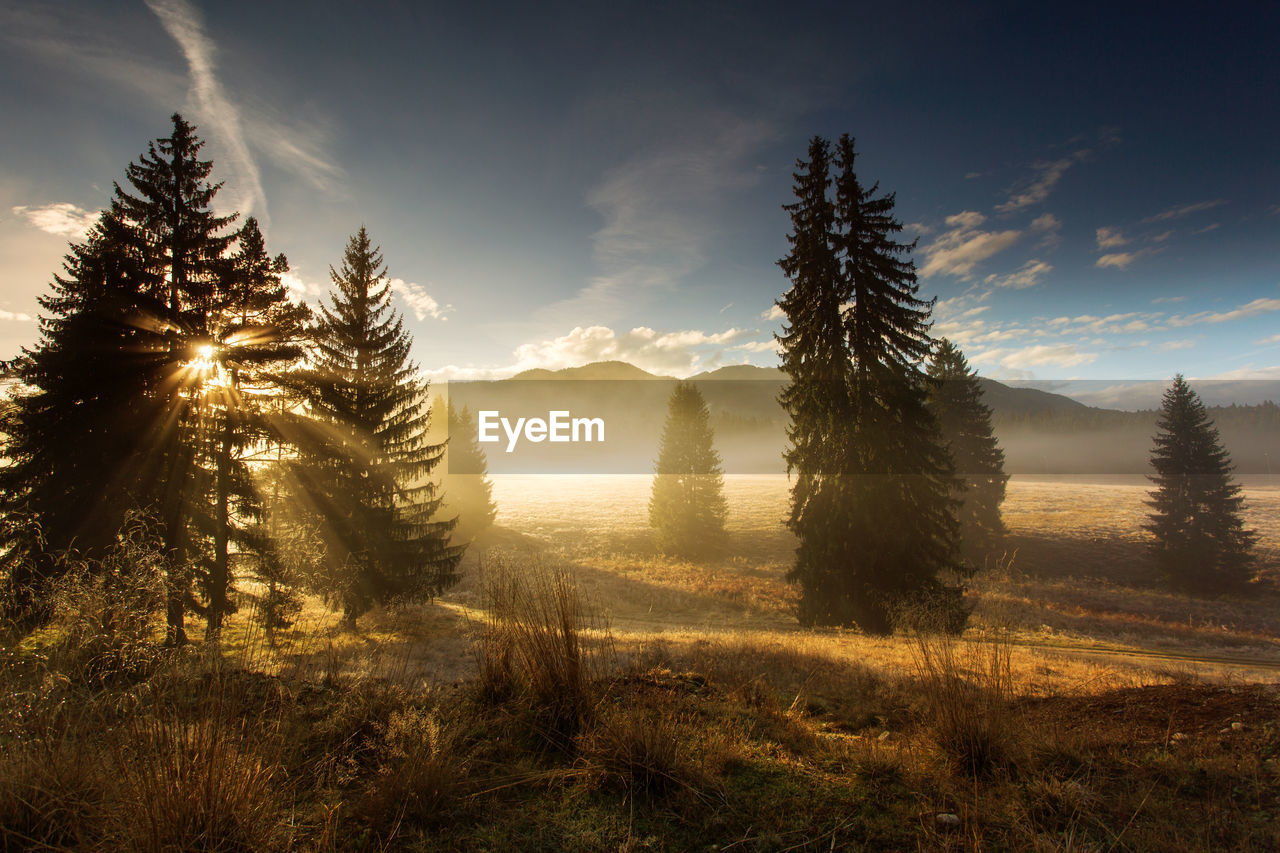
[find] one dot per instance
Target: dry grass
(700, 716)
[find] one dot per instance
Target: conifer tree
(255, 336)
(1200, 541)
(965, 421)
(871, 502)
(73, 433)
(171, 224)
(687, 508)
(368, 444)
(468, 493)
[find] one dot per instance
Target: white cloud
(60, 218)
(1027, 275)
(1186, 343)
(1251, 309)
(679, 352)
(958, 250)
(1274, 339)
(1048, 175)
(1040, 355)
(759, 346)
(774, 313)
(1184, 210)
(16, 316)
(418, 300)
(1163, 299)
(1110, 238)
(1272, 372)
(299, 288)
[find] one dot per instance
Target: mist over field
(1040, 432)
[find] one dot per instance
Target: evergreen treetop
(367, 467)
(1200, 541)
(687, 507)
(871, 502)
(965, 423)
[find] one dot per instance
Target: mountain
(1041, 432)
(740, 373)
(596, 371)
(1005, 399)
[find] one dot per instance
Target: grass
(579, 692)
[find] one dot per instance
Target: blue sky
(1095, 188)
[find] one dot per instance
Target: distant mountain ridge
(1003, 399)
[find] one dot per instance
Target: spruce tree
(468, 493)
(74, 431)
(255, 337)
(871, 502)
(965, 421)
(1200, 542)
(183, 243)
(367, 444)
(687, 507)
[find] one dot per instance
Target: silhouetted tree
(74, 432)
(368, 443)
(965, 422)
(687, 508)
(871, 502)
(1200, 540)
(183, 245)
(255, 337)
(467, 490)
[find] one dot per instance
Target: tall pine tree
(871, 502)
(955, 399)
(171, 223)
(468, 493)
(368, 444)
(83, 403)
(1200, 541)
(255, 337)
(687, 507)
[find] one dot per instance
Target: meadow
(579, 691)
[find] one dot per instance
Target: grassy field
(578, 691)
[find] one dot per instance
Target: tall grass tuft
(969, 690)
(200, 772)
(535, 649)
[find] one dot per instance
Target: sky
(1094, 188)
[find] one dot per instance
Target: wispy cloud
(1121, 260)
(1047, 176)
(185, 24)
(16, 316)
(1110, 238)
(964, 245)
(1028, 275)
(1274, 339)
(1184, 210)
(1038, 355)
(1251, 309)
(774, 313)
(60, 218)
(419, 301)
(660, 210)
(1169, 346)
